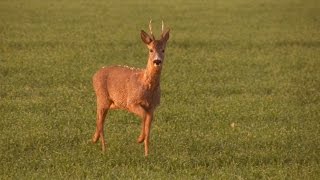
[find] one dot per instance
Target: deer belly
(118, 99)
(146, 100)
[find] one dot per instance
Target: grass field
(240, 89)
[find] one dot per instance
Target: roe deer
(134, 90)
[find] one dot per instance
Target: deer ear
(165, 35)
(145, 37)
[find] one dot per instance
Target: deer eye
(163, 50)
(150, 50)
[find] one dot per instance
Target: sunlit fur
(131, 89)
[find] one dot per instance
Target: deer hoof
(95, 138)
(140, 139)
(103, 148)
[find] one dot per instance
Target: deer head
(156, 47)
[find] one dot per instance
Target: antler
(150, 27)
(162, 27)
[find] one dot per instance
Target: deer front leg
(147, 126)
(142, 134)
(141, 112)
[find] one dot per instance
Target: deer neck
(152, 75)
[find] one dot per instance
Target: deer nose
(157, 62)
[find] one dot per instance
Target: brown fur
(134, 90)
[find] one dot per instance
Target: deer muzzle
(157, 62)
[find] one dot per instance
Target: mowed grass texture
(240, 89)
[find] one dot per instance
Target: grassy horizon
(240, 89)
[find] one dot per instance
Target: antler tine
(150, 27)
(162, 27)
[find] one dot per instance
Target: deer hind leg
(102, 110)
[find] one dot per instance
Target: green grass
(252, 63)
